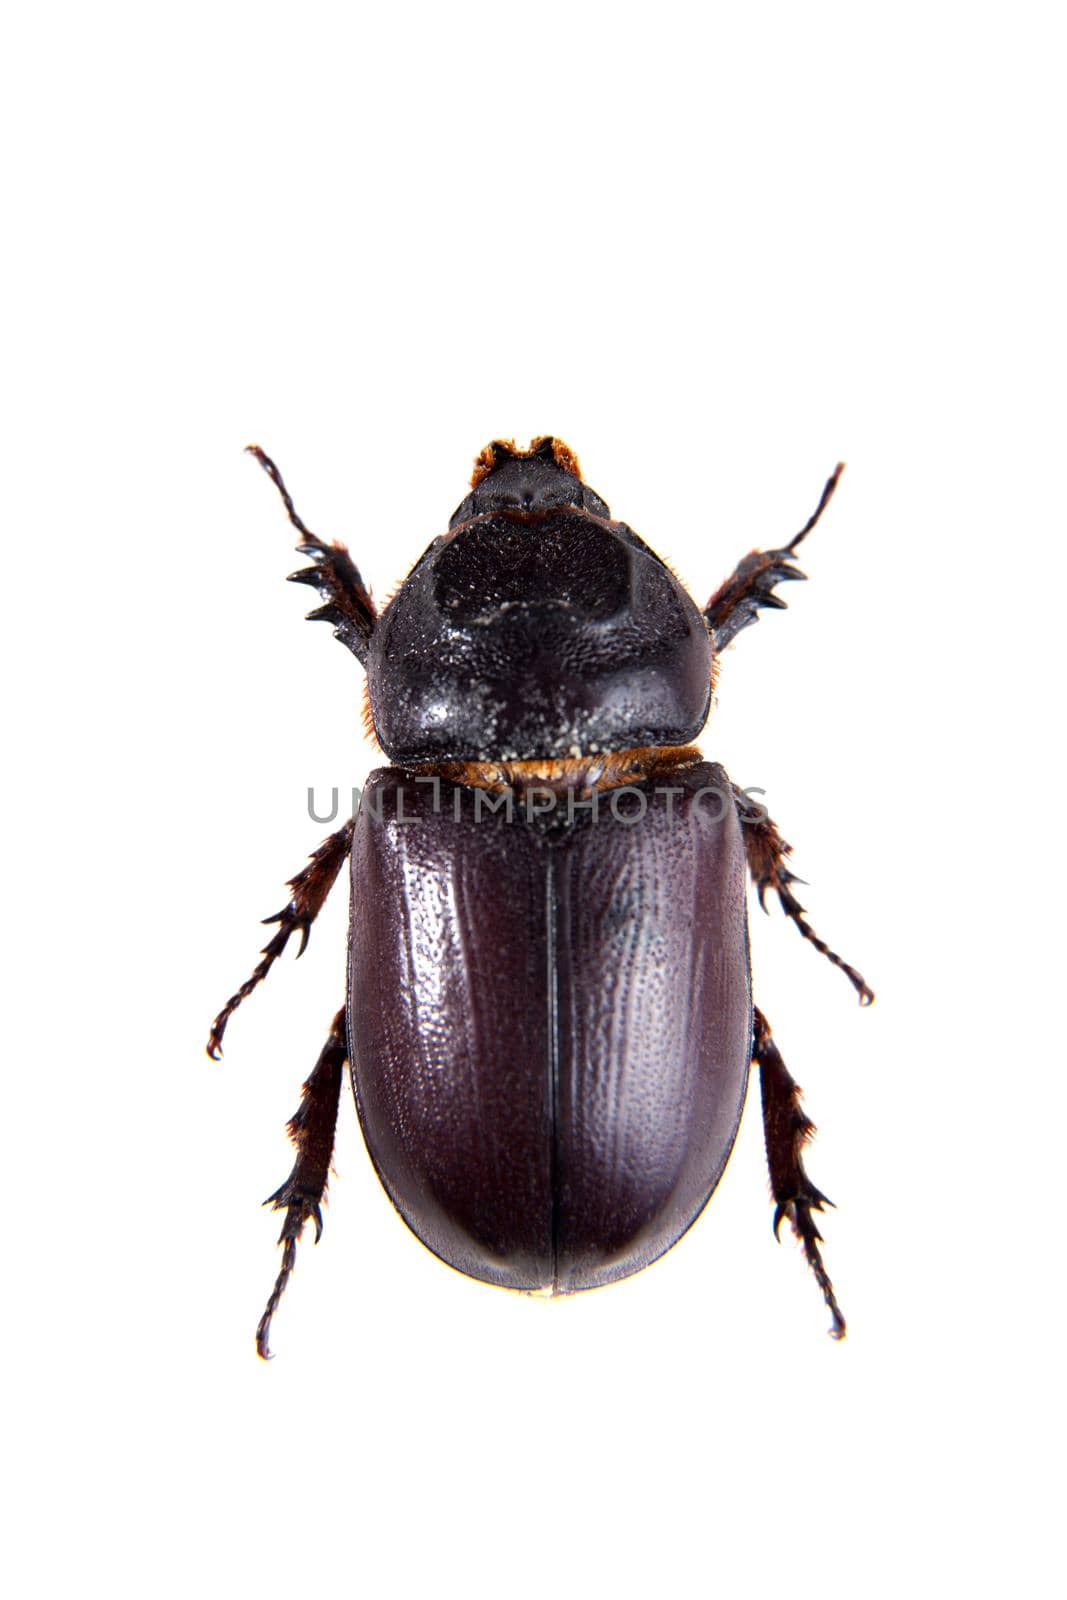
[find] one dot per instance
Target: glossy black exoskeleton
(549, 1023)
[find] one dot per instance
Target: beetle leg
(766, 850)
(310, 888)
(312, 1130)
(786, 1130)
(336, 576)
(737, 602)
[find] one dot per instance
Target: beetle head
(545, 476)
(536, 627)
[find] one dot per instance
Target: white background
(715, 249)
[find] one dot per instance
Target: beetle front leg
(737, 602)
(765, 851)
(310, 888)
(786, 1131)
(312, 1130)
(348, 603)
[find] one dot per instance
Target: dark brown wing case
(549, 1018)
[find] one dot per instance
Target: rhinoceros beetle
(549, 1022)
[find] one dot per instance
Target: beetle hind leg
(787, 1129)
(312, 1130)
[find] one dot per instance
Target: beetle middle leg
(310, 888)
(765, 851)
(786, 1130)
(312, 1129)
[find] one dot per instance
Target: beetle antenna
(824, 500)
